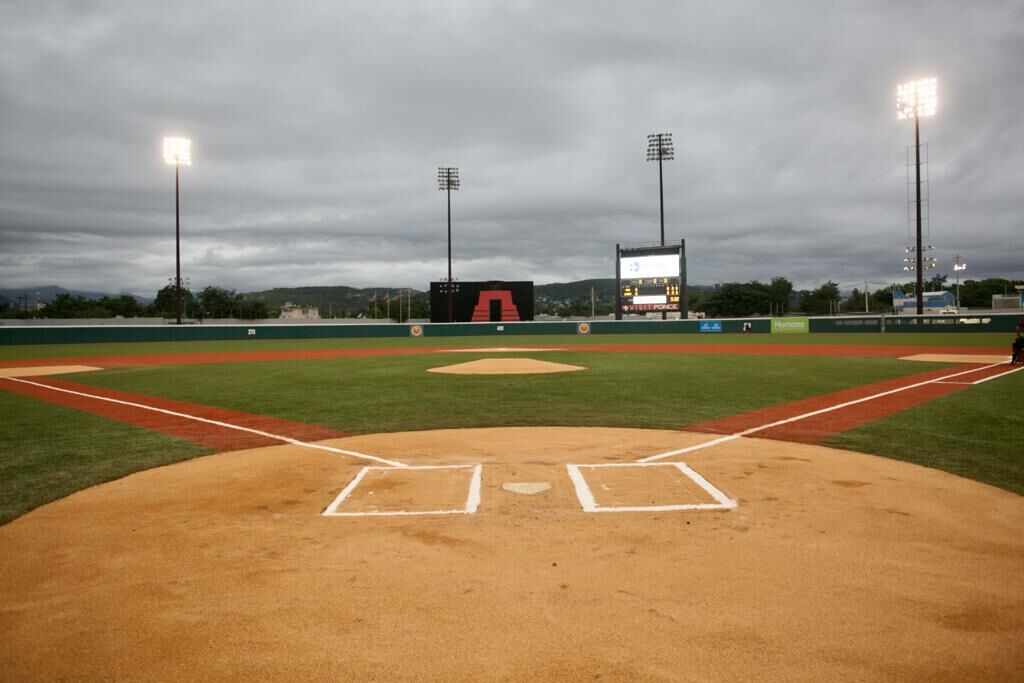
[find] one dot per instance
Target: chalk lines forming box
(617, 482)
(422, 490)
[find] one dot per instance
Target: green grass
(976, 433)
(972, 339)
(397, 394)
(50, 451)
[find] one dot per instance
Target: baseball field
(635, 507)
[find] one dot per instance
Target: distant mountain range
(50, 292)
(341, 298)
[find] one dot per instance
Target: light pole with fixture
(659, 148)
(958, 265)
(448, 180)
(177, 151)
(919, 263)
(914, 100)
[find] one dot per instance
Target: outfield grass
(972, 339)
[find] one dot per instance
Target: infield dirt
(835, 565)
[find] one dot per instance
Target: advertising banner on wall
(791, 325)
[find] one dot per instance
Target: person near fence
(1017, 356)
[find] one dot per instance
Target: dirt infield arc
(836, 565)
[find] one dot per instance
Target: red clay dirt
(815, 428)
(212, 436)
(199, 357)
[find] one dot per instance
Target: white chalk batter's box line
(472, 498)
(589, 504)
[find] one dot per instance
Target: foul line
(226, 425)
(1001, 374)
(753, 430)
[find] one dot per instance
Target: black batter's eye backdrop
(492, 301)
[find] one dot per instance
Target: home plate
(527, 487)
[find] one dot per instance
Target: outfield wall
(67, 334)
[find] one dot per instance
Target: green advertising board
(791, 325)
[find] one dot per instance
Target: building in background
(292, 312)
(934, 302)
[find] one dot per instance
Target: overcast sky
(318, 127)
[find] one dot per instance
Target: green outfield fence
(79, 334)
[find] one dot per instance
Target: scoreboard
(651, 279)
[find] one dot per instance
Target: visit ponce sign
(791, 325)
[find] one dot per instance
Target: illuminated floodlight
(178, 151)
(917, 98)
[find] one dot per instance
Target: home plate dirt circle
(834, 565)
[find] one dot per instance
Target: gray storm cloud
(317, 130)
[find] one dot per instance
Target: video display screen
(650, 279)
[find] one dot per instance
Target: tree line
(725, 300)
(212, 302)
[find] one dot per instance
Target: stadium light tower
(914, 100)
(448, 180)
(958, 265)
(659, 148)
(177, 151)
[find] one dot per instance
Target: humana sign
(790, 326)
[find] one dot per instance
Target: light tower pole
(448, 180)
(914, 100)
(659, 148)
(177, 151)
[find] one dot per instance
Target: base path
(867, 403)
(835, 566)
(219, 438)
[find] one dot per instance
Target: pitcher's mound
(505, 366)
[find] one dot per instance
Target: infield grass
(385, 394)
